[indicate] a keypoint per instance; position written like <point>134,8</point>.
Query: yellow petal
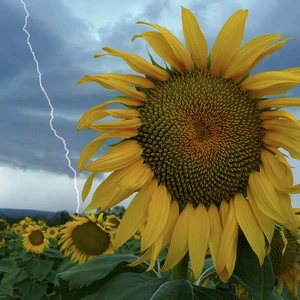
<point>166,235</point>
<point>138,176</point>
<point>183,58</point>
<point>128,79</point>
<point>194,38</point>
<point>87,186</point>
<point>135,215</point>
<point>96,112</point>
<point>269,51</point>
<point>108,192</point>
<point>228,42</point>
<point>139,64</point>
<point>265,223</point>
<point>179,241</point>
<point>250,226</point>
<point>224,211</point>
<point>280,140</point>
<point>91,148</point>
<point>283,126</point>
<point>123,113</point>
<point>169,228</point>
<point>198,237</point>
<point>156,247</point>
<point>157,216</point>
<point>120,156</point>
<point>270,83</point>
<point>215,235</point>
<point>126,124</point>
<point>114,85</point>
<point>228,244</point>
<point>267,199</point>
<point>162,48</point>
<point>274,114</point>
<point>278,103</point>
<point>278,173</point>
<point>246,56</point>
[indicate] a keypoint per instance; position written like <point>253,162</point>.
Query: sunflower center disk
<point>201,136</point>
<point>36,238</point>
<point>90,239</point>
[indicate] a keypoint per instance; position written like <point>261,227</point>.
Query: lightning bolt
<point>51,107</point>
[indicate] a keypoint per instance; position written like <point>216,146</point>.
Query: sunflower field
<point>203,147</point>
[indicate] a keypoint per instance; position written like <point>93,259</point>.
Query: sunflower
<point>18,230</point>
<point>2,241</point>
<point>200,145</point>
<point>285,249</point>
<point>3,225</point>
<point>35,240</point>
<point>52,232</point>
<point>85,238</point>
<point>112,222</point>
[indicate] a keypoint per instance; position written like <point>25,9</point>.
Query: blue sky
<point>65,34</point>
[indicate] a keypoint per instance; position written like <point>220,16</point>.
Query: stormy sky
<point>65,34</point>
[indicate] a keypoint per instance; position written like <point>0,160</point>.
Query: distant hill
<point>15,213</point>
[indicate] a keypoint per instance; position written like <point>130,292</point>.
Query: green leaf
<point>119,286</point>
<point>15,277</point>
<point>39,268</point>
<point>259,281</point>
<point>6,290</point>
<point>203,293</point>
<point>32,290</point>
<point>8,265</point>
<point>275,295</point>
<point>96,268</point>
<point>53,253</point>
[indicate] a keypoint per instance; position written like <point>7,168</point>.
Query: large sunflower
<point>200,145</point>
<point>85,238</point>
<point>35,240</point>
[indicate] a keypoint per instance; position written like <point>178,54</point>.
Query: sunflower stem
<point>180,271</point>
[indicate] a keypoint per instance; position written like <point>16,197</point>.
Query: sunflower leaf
<point>259,281</point>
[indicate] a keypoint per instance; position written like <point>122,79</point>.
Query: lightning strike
<point>51,107</point>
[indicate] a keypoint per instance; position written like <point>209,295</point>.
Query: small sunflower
<point>85,238</point>
<point>35,240</point>
<point>3,225</point>
<point>112,222</point>
<point>18,230</point>
<point>2,241</point>
<point>285,250</point>
<point>201,145</point>
<point>52,232</point>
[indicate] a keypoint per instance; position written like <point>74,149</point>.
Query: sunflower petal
<point>273,114</point>
<point>124,124</point>
<point>198,237</point>
<point>215,235</point>
<point>228,244</point>
<point>278,140</point>
<point>194,38</point>
<point>87,186</point>
<point>91,148</point>
<point>250,226</point>
<point>270,83</point>
<point>135,215</point>
<point>139,64</point>
<point>179,241</point>
<point>157,216</point>
<point>128,79</point>
<point>228,42</point>
<point>161,47</point>
<point>96,112</point>
<point>120,156</point>
<point>267,199</point>
<point>224,211</point>
<point>278,103</point>
<point>246,56</point>
<point>183,59</point>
